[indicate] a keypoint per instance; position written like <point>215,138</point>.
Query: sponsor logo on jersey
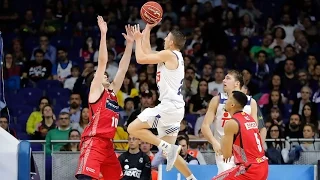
<point>132,172</point>
<point>112,105</point>
<point>251,125</point>
<point>90,169</point>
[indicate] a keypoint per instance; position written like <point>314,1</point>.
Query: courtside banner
<point>276,172</point>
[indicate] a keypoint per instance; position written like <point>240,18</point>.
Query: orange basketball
<point>151,12</point>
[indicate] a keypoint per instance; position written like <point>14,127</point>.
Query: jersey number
<point>181,84</point>
<point>258,142</point>
<point>114,122</point>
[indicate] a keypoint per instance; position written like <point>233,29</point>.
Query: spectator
<point>278,55</point>
<point>81,85</point>
<point>4,124</point>
<point>267,40</point>
<point>252,86</point>
<point>84,120</point>
<point>127,110</point>
<point>88,49</point>
<point>72,146</point>
<point>184,143</point>
<point>75,108</point>
<point>62,69</point>
<point>309,132</point>
<point>288,28</point>
<point>135,163</point>
<point>199,102</point>
<point>39,69</point>
<point>47,123</point>
<point>36,117</point>
<point>215,87</point>
<point>127,90</point>
<point>310,115</point>
<point>294,129</point>
<point>277,150</point>
<point>71,80</point>
<point>207,73</point>
<point>10,68</point>
<point>279,35</point>
<point>49,51</point>
<point>60,133</point>
<point>306,93</point>
<point>190,73</point>
<point>261,69</point>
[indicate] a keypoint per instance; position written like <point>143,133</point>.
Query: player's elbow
<point>142,60</point>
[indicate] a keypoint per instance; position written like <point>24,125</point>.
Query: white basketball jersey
<point>222,116</point>
<point>170,82</point>
<point>63,73</point>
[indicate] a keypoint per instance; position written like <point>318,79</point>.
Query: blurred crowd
<point>50,48</point>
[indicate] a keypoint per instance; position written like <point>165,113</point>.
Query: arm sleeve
<point>146,171</point>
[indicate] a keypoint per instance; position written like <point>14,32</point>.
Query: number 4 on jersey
<point>114,122</point>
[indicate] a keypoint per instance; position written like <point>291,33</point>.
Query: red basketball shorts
<point>240,172</point>
<point>97,155</point>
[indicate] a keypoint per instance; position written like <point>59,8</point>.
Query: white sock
<point>191,177</point>
<point>164,146</point>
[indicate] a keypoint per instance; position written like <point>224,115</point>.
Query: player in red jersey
<point>97,154</point>
<point>241,138</point>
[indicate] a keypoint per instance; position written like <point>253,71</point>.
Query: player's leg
<point>140,129</point>
<point>180,163</point>
<point>89,160</point>
<point>111,167</point>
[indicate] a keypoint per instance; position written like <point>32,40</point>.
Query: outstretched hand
<point>136,32</point>
<point>129,34</point>
<point>150,26</point>
<point>102,25</point>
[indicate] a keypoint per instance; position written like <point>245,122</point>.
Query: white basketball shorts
<point>222,166</point>
<point>165,117</point>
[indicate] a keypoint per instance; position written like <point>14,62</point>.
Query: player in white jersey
<point>166,116</point>
<point>233,81</point>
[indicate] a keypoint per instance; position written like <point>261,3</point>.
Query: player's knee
<point>131,129</point>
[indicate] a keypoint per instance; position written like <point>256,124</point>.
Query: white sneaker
<point>172,156</point>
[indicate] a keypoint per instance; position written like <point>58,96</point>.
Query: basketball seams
<point>151,12</point>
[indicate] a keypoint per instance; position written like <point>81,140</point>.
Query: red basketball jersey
<point>103,116</point>
<point>247,147</point>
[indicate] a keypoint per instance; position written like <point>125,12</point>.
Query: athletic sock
<point>164,146</point>
<point>191,177</point>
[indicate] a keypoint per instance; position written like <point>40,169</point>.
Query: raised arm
<point>208,119</point>
<point>146,46</point>
<point>145,58</point>
<point>125,60</point>
<point>96,87</point>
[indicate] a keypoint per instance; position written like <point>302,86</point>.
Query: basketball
<point>151,12</point>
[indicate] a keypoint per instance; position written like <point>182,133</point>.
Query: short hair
<point>64,113</point>
<point>277,47</point>
<point>89,78</point>
<point>38,51</point>
<point>240,97</point>
<point>179,39</point>
<point>237,76</point>
<point>182,137</point>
